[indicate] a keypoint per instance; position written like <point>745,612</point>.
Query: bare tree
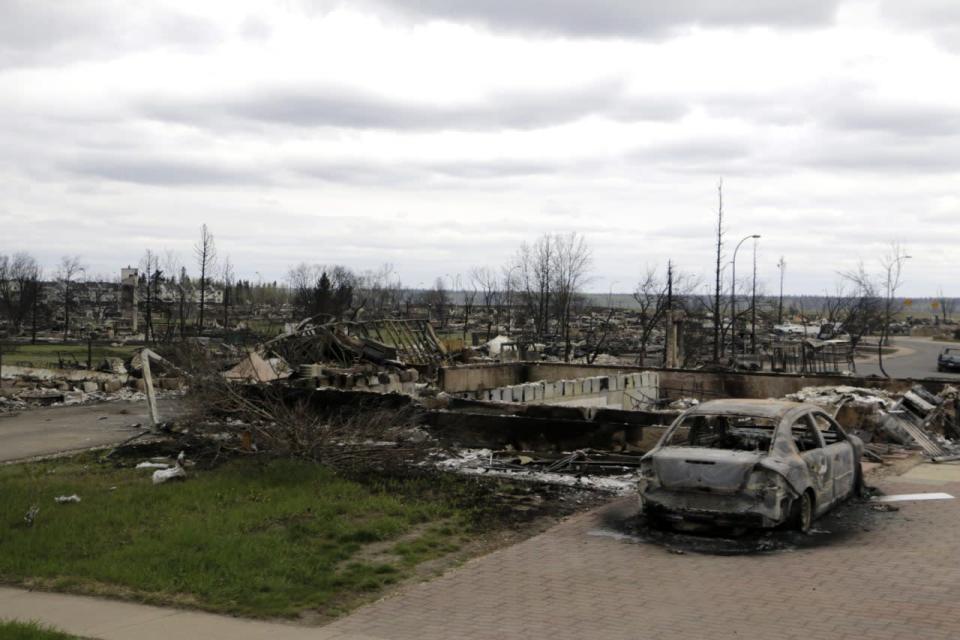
<point>226,274</point>
<point>717,314</point>
<point>468,295</point>
<point>177,274</point>
<point>891,265</point>
<point>862,309</point>
<point>150,264</point>
<point>572,259</point>
<point>206,254</point>
<point>19,277</point>
<point>947,305</point>
<point>653,296</point>
<point>485,281</point>
<point>534,265</point>
<point>438,301</point>
<point>67,273</point>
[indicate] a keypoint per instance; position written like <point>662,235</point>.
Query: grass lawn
<point>10,630</point>
<point>48,355</point>
<point>249,538</point>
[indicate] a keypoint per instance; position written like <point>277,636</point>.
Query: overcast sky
<point>437,135</point>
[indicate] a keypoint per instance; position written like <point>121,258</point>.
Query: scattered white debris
<point>152,465</point>
<point>163,475</point>
<point>476,462</point>
<point>174,473</point>
<point>67,499</point>
<point>905,497</point>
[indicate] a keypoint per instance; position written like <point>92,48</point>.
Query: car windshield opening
<point>731,432</point>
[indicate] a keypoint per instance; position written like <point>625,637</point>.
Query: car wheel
<point>803,513</point>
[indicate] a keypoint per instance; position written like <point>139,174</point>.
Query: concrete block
<point>516,393</point>
<point>112,386</point>
<point>89,386</point>
<point>613,383</point>
<point>549,390</point>
<point>409,388</point>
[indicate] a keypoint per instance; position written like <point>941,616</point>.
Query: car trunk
<point>714,470</point>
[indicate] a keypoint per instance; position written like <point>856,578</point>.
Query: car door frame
<point>818,464</point>
<point>842,459</point>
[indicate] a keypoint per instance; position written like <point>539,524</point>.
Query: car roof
<point>749,407</point>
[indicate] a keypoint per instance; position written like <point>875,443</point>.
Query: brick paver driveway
<point>901,579</point>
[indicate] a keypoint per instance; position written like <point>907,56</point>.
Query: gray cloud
<point>354,108</point>
<point>883,154</point>
<point>900,118</point>
<point>626,18</point>
<point>40,32</point>
<point>161,171</point>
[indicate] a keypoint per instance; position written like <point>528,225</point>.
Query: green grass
<point>48,355</point>
<point>248,538</point>
<point>10,630</point>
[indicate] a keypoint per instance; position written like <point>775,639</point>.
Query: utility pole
<point>782,266</point>
<point>753,304</point>
<point>716,291</point>
<point>670,348</point>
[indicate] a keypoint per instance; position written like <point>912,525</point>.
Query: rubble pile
<point>915,419</point>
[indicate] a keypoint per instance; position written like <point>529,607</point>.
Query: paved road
<point>918,360</point>
<point>891,576</point>
<point>49,430</point>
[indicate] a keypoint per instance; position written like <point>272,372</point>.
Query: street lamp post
<point>733,295</point>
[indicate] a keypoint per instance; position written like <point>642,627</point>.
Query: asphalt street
<point>917,359</point>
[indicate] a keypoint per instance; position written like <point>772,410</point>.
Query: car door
<point>840,453</point>
<point>809,443</point>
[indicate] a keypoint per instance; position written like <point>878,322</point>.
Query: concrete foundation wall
<point>620,390</point>
<point>673,383</point>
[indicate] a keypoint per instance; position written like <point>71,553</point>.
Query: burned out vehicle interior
<point>746,433</point>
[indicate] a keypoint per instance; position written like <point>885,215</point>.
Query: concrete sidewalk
<point>113,620</point>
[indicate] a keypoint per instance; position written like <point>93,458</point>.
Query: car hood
<point>715,470</point>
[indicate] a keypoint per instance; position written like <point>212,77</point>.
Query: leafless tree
<point>150,265</point>
<point>484,280</point>
<point>534,265</point>
<point>226,274</point>
<point>947,305</point>
<point>19,277</point>
<point>572,259</point>
<point>205,251</point>
<point>653,296</point>
<point>717,293</point>
<point>69,270</point>
<point>891,265</point>
<point>177,274</point>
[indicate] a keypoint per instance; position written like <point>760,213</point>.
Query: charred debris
<point>391,392</point>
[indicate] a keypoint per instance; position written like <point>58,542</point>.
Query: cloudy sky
<point>439,134</point>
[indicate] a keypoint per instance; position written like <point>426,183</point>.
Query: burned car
<point>758,463</point>
<point>949,360</point>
